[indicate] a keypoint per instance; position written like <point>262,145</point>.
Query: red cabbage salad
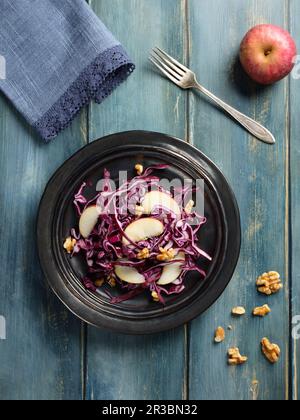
<point>138,237</point>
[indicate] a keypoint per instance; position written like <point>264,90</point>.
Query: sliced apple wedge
<point>156,199</point>
<point>129,274</point>
<point>171,272</point>
<point>88,221</point>
<point>143,229</point>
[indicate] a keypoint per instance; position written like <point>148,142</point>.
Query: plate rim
<point>71,301</point>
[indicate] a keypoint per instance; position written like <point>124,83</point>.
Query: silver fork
<point>186,79</point>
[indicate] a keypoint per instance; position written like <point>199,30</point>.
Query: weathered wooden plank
<point>258,175</point>
<point>41,356</point>
<point>120,367</point>
<point>295,203</point>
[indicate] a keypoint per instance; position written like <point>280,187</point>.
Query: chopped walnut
<point>261,311</point>
<point>155,296</point>
<point>99,283</point>
<point>70,244</point>
<point>271,351</point>
<point>189,207</point>
<point>166,254</point>
<point>235,358</point>
<point>220,335</point>
<point>144,254</point>
<point>112,281</point>
<point>269,283</point>
<point>238,311</point>
<point>139,169</point>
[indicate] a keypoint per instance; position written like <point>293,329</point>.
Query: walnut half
<point>271,351</point>
<point>269,283</point>
<point>262,311</point>
<point>235,357</point>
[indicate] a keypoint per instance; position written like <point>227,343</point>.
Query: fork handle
<point>252,126</point>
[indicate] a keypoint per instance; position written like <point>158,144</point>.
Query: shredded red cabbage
<point>104,248</point>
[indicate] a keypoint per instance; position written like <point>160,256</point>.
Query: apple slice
<point>156,199</point>
<point>143,229</point>
<point>171,272</point>
<point>129,274</point>
<point>88,221</point>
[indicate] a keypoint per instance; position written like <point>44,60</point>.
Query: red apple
<point>267,53</point>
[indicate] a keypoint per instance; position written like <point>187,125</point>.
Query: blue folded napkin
<point>59,56</point>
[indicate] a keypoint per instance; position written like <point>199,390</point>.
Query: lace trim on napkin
<point>97,82</point>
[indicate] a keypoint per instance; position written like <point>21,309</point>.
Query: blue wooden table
<point>48,353</point>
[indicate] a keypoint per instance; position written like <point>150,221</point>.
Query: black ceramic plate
<point>220,237</point>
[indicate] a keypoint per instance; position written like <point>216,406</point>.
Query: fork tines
<point>167,65</point>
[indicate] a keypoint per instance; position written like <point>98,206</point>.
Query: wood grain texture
<point>258,175</point>
<point>48,354</point>
<point>41,356</point>
<point>120,367</point>
<point>295,202</point>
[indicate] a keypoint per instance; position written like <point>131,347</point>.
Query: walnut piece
<point>139,169</point>
<point>155,296</point>
<point>112,281</point>
<point>235,357</point>
<point>262,310</point>
<point>269,283</point>
<point>99,283</point>
<point>70,244</point>
<point>144,254</point>
<point>220,335</point>
<point>189,207</point>
<point>271,351</point>
<point>238,311</point>
<point>166,254</point>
